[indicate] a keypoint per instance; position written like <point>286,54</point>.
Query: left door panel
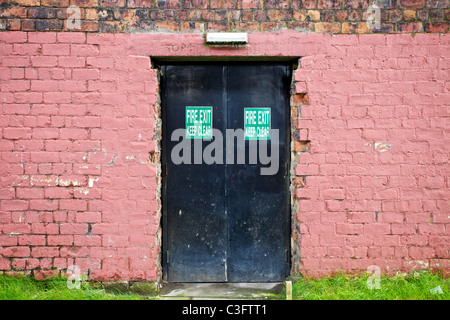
<point>195,245</point>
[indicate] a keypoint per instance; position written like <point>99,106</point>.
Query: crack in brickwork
<point>300,143</point>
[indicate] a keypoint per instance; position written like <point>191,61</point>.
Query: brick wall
<point>329,16</point>
<point>80,129</point>
<point>78,169</point>
<point>372,171</point>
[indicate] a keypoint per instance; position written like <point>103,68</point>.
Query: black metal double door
<point>225,219</point>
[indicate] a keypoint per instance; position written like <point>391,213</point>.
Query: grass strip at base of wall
<point>418,285</point>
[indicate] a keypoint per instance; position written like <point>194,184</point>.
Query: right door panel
<point>258,218</point>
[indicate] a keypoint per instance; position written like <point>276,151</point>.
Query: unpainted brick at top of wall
<point>321,16</point>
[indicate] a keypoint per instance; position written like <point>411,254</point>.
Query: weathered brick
<point>74,228</point>
<point>333,194</point>
<point>329,4</point>
<point>13,12</point>
<point>16,73</point>
<point>56,49</point>
<point>16,85</point>
<point>140,3</point>
<point>112,3</point>
<point>17,133</point>
<point>276,4</point>
<point>15,61</point>
<point>84,3</point>
<point>189,4</point>
<point>410,27</point>
<point>416,4</point>
<point>84,50</point>
<point>72,85</point>
<point>43,205</point>
<point>173,4</point>
<point>86,26</point>
<point>442,27</point>
<point>225,4</point>
<point>41,13</point>
<point>55,3</point>
<point>327,16</point>
<point>327,27</point>
<point>30,193</point>
<point>28,3</point>
<point>44,252</point>
<point>44,157</point>
<point>44,85</point>
<point>44,61</point>
<point>260,15</point>
<point>11,24</point>
<point>387,4</point>
<point>16,109</point>
<point>358,27</point>
<point>60,240</point>
<point>85,74</point>
<point>28,25</point>
<point>357,4</point>
<point>31,240</point>
<point>16,252</point>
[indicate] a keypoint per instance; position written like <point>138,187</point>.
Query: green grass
<point>414,286</point>
<point>26,288</point>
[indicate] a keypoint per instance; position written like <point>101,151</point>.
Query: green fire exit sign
<point>199,122</point>
<point>257,123</point>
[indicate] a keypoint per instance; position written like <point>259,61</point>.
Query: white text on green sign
<point>257,123</point>
<point>199,122</point>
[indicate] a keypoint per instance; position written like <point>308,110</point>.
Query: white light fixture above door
<point>226,38</point>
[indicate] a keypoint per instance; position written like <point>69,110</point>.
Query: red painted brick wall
<point>79,165</point>
<point>376,174</point>
<point>77,183</point>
